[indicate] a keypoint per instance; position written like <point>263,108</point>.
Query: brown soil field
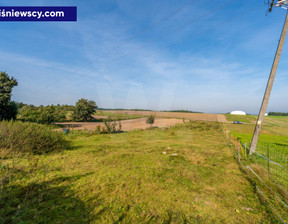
<point>191,116</point>
<point>127,125</point>
<point>162,119</point>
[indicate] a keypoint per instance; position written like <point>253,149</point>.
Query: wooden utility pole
<point>268,89</point>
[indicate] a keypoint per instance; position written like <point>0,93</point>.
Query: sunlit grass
<point>242,118</point>
<point>185,174</point>
<point>272,144</point>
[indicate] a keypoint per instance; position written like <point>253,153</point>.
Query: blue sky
<point>161,55</point>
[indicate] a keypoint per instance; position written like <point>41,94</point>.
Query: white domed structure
<point>238,112</point>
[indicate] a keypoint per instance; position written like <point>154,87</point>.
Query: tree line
<point>10,110</point>
<point>277,114</point>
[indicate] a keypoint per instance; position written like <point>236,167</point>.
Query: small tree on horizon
<point>84,109</point>
<point>150,120</point>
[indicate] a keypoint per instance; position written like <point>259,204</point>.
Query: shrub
<point>150,120</point>
<point>110,127</point>
<point>30,138</point>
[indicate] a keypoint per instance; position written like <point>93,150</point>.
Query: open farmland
<point>251,119</point>
<point>274,134</point>
<point>127,125</point>
<point>190,116</point>
<point>274,128</point>
<point>270,162</point>
<point>133,120</point>
<point>185,174</point>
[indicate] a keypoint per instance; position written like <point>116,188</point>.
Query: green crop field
<point>185,174</point>
<point>272,144</point>
<point>271,134</point>
<point>242,118</point>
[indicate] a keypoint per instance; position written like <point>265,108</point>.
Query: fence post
<point>268,161</point>
<point>238,150</point>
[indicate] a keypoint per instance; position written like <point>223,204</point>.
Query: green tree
<point>47,115</point>
<point>29,113</point>
<point>150,120</point>
<point>8,109</point>
<point>84,109</point>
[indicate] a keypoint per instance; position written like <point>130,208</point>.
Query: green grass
<point>242,118</point>
<point>280,118</point>
<point>273,137</point>
<point>126,178</point>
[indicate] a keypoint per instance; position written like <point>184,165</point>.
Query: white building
<point>238,112</point>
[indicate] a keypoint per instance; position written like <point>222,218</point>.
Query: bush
<point>150,120</point>
<point>110,127</point>
<point>30,138</point>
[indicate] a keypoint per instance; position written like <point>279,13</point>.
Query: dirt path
<point>221,118</point>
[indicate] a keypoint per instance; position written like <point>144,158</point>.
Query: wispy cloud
<point>215,64</point>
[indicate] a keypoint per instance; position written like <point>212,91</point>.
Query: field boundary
<point>266,189</point>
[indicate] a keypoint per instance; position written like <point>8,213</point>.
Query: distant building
<point>265,114</point>
<point>238,112</point>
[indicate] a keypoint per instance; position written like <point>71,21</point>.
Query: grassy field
<point>272,144</point>
<point>244,119</point>
<point>274,132</point>
<point>273,135</point>
<point>279,121</point>
<point>185,174</point>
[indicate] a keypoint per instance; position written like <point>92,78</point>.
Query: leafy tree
<point>84,109</point>
<point>20,105</point>
<point>29,113</point>
<point>150,120</point>
<point>47,115</point>
<point>8,109</point>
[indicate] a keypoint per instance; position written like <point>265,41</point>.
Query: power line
<point>270,82</point>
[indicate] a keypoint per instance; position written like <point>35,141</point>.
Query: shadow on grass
<point>48,202</point>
